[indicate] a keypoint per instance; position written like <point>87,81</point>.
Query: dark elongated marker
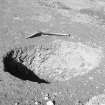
<point>35,35</point>
<point>44,33</point>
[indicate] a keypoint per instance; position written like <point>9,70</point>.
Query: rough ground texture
<point>20,84</point>
<point>60,61</point>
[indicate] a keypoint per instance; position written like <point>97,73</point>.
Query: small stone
<point>46,97</point>
<point>36,103</point>
<point>49,103</point>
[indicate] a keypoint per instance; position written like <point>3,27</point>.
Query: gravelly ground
<point>19,19</point>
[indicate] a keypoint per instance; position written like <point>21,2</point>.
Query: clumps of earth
<point>60,60</point>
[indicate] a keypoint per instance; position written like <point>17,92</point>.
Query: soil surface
<point>20,19</point>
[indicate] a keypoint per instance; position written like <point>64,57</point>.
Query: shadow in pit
<point>19,70</point>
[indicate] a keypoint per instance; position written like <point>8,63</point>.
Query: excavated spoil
<point>60,61</point>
